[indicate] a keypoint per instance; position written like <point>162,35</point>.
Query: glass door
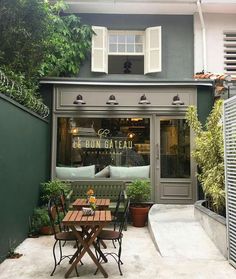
<point>174,183</point>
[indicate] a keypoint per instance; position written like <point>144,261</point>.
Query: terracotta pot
<point>139,215</point>
<point>48,230</point>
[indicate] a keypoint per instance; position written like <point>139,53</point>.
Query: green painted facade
<point>205,101</point>
<point>177,41</point>
<point>24,164</point>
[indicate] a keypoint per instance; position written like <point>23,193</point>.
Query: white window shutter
<point>152,58</point>
<point>99,55</point>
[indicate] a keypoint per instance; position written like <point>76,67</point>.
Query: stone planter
<point>214,225</point>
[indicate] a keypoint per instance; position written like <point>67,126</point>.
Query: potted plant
<point>139,192</point>
<point>40,222</point>
<point>53,188</point>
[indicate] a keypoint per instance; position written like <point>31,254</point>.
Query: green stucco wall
<point>205,101</point>
<point>24,164</point>
<point>177,40</point>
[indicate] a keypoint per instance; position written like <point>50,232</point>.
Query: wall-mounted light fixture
<point>112,100</point>
<point>177,101</point>
<point>143,100</point>
<point>79,100</point>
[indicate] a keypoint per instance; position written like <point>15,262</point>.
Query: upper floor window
<point>230,52</point>
<point>126,43</point>
<point>114,51</point>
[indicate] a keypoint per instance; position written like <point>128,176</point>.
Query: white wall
<point>215,25</point>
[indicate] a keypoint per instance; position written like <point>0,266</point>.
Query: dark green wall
<point>177,40</point>
<point>24,164</point>
<point>205,101</point>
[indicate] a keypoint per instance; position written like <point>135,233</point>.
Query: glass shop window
<point>91,147</point>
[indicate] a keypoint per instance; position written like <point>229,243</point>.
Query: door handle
<point>157,152</point>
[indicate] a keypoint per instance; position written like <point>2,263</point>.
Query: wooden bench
<point>106,188</point>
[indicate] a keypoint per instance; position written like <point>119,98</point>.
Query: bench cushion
<point>67,173</point>
<point>129,172</point>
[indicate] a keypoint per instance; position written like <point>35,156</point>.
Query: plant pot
<point>47,230</point>
<point>139,215</point>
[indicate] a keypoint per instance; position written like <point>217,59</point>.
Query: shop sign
<point>101,141</point>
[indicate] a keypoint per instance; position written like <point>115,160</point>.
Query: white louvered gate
<point>230,174</point>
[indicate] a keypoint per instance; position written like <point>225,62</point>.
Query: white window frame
<point>151,44</point>
<point>127,32</point>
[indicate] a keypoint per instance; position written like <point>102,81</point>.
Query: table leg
<point>86,243</point>
<point>89,234</point>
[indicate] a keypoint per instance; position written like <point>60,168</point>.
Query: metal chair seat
<point>66,236</point>
<point>109,235</point>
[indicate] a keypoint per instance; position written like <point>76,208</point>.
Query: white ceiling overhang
<point>186,7</point>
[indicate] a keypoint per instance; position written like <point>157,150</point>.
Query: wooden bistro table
<point>91,226</point>
<point>101,204</point>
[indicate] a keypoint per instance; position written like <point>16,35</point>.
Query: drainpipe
<point>203,35</point>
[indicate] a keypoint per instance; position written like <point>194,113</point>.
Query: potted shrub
<point>139,192</point>
<point>53,188</point>
<point>40,221</point>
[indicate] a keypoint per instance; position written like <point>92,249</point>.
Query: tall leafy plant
<point>38,39</point>
<point>209,154</point>
<point>67,44</point>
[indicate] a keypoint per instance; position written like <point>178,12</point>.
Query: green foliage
<point>38,39</point>
<point>21,90</point>
<point>209,154</point>
<point>23,28</point>
<point>53,188</point>
<point>139,190</point>
<point>68,42</point>
<point>39,219</point>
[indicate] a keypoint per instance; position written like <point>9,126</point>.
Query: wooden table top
<point>83,202</point>
<point>77,218</point>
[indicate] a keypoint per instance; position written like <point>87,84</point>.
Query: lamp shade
<point>177,101</point>
<point>112,100</point>
<point>143,100</point>
<point>79,100</point>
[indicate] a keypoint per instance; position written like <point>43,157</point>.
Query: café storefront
<point>127,131</point>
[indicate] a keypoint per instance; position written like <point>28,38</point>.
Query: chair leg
<point>55,259</point>
<point>119,255</point>
<point>60,252</point>
<point>113,242</point>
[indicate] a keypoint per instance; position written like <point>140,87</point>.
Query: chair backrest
<point>54,215</point>
<point>124,216</point>
<point>119,200</point>
<point>62,202</point>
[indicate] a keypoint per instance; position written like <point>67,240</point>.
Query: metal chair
<point>118,212</point>
<point>61,236</point>
<point>115,235</point>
